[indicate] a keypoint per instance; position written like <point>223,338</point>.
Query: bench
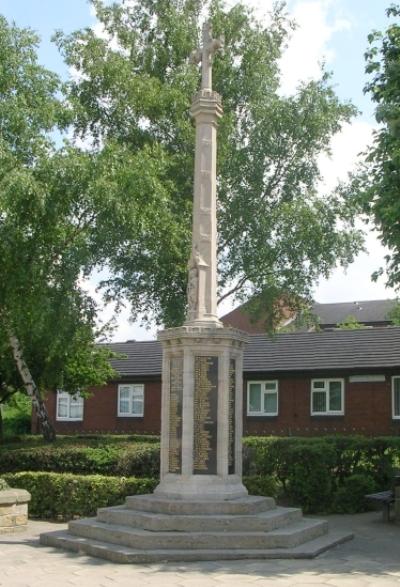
<point>385,499</point>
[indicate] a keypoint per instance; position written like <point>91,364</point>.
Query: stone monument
<point>201,422</point>
<point>200,510</point>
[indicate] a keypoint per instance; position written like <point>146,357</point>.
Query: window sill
<point>130,416</point>
<point>323,416</point>
<point>268,416</point>
<point>69,419</point>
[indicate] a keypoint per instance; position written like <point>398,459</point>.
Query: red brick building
<point>305,383</point>
<point>371,313</point>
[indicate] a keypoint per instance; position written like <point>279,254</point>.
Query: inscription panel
<point>231,416</point>
<point>205,415</point>
<point>175,415</point>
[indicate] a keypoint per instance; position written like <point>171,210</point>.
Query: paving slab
<point>372,559</point>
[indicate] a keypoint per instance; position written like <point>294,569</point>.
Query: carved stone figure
<point>193,283</point>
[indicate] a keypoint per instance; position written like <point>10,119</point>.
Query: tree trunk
<point>48,431</point>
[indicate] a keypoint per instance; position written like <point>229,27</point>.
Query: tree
<point>378,186</point>
<point>350,322</point>
<point>133,92</point>
<point>48,216</point>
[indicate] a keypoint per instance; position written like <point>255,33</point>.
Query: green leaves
<point>379,188</point>
<point>132,100</point>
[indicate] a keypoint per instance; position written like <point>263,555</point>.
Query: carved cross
<point>205,55</point>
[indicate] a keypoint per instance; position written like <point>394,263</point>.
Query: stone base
<point>201,487</point>
<point>13,510</point>
<point>148,528</point>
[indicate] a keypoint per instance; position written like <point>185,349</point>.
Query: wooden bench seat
<point>386,499</point>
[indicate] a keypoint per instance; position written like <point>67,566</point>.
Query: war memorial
<point>200,510</point>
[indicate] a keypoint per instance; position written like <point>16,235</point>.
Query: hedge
<point>63,497</point>
<point>328,474</point>
<point>136,459</point>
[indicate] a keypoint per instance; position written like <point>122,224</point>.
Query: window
<point>396,398</point>
<point>69,407</point>
<point>131,400</point>
<point>262,398</point>
<point>327,397</point>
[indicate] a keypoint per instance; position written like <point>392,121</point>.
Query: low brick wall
<point>13,510</point>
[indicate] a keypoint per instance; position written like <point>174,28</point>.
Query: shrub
<point>3,485</point>
<point>138,459</point>
<point>65,496</point>
<point>315,472</point>
<point>17,415</point>
<point>309,476</point>
<point>261,485</point>
<point>349,498</point>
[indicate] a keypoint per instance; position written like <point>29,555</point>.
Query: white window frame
<point>70,398</point>
<point>394,416</point>
<point>326,381</point>
<point>263,393</point>
<point>132,386</point>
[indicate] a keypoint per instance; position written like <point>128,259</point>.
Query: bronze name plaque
<point>205,416</point>
<point>175,415</point>
<point>231,417</point>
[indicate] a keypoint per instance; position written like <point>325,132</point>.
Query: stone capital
<point>206,102</point>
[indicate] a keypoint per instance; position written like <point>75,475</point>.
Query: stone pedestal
<point>13,510</point>
<point>201,419</point>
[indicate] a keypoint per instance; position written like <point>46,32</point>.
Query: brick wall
<point>100,413</point>
<point>368,410</point>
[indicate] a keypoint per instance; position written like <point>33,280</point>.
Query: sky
<point>333,32</point>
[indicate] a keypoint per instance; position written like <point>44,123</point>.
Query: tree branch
<point>234,289</point>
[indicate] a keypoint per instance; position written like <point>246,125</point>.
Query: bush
<point>331,473</point>
<point>319,474</point>
<point>261,485</point>
<point>350,497</point>
<point>309,476</point>
<point>140,460</point>
<point>65,496</point>
<point>3,485</point>
<point>17,415</point>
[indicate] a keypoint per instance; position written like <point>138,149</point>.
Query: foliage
<point>328,474</point>
<point>3,485</point>
<point>261,485</point>
<point>56,496</point>
<point>17,415</point>
<point>394,314</point>
<point>378,186</point>
<point>350,322</point>
<point>52,234</point>
<point>124,459</point>
<point>350,497</point>
<point>315,472</point>
<point>132,97</point>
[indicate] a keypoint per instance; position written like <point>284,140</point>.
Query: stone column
<point>201,432</point>
<point>202,289</point>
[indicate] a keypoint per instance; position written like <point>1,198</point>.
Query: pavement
<point>372,559</point>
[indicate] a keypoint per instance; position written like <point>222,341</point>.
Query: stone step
<point>123,554</point>
<point>262,522</point>
<point>290,536</point>
<point>251,504</point>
